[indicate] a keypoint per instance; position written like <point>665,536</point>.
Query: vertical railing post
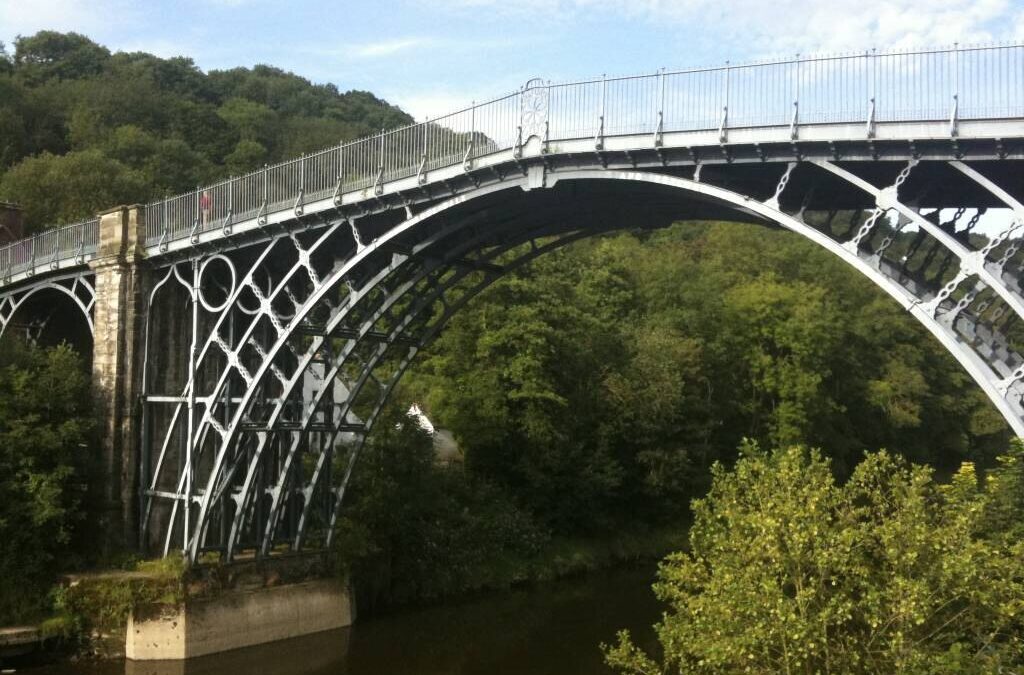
<point>794,128</point>
<point>194,236</point>
<point>378,183</point>
<point>79,254</point>
<point>61,234</point>
<point>231,206</point>
<point>165,235</point>
<point>872,65</point>
<point>723,126</point>
<point>467,158</point>
<point>659,131</point>
<point>297,206</point>
<point>261,215</point>
<point>954,113</point>
<point>32,255</point>
<point>421,177</point>
<point>340,186</point>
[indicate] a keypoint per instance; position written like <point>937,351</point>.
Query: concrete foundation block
<point>237,619</point>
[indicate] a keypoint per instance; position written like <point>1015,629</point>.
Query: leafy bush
<point>45,430</point>
<point>791,572</point>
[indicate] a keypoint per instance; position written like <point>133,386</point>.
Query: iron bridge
<point>251,331</point>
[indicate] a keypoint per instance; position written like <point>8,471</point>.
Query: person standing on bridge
<point>204,205</point>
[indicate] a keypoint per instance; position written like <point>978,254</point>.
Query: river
<point>548,629</point>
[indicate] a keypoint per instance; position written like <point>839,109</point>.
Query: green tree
<point>519,380</point>
<point>52,55</point>
<point>13,131</point>
<point>414,530</point>
<point>890,572</point>
<point>247,156</point>
<point>788,331</point>
<point>45,431</point>
<point>60,189</point>
<point>167,124</point>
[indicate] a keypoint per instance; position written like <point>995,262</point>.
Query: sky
<point>435,56</point>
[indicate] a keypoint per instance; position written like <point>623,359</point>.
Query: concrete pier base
<point>237,619</point>
<point>18,640</point>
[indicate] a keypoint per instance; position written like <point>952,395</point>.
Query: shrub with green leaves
<point>45,429</point>
<point>890,572</point>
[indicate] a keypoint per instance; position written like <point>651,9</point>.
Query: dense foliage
<point>416,530</point>
<point>45,452</point>
<point>600,384</point>
<point>889,572</point>
<point>592,392</point>
<point>82,129</point>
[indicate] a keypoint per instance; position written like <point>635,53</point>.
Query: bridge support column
<point>116,371</point>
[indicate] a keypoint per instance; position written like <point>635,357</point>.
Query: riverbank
<point>548,628</point>
<point>93,608</point>
<point>559,559</point>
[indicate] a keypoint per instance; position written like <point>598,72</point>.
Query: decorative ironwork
<point>276,327</point>
<point>534,110</point>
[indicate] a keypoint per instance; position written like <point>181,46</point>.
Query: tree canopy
<point>790,571</point>
<point>83,129</point>
<point>602,382</point>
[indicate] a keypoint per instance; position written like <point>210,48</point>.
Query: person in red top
<point>204,205</point>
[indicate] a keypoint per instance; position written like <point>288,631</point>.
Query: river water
<point>548,629</point>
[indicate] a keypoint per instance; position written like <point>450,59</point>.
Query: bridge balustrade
<point>50,247</point>
<point>956,83</point>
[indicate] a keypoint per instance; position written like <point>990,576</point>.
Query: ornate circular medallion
<point>534,109</point>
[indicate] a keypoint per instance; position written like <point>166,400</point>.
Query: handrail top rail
<point>384,155</point>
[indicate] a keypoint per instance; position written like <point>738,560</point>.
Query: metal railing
<point>48,249</point>
<point>939,84</point>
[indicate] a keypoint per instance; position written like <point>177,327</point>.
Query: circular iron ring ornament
<point>228,292</point>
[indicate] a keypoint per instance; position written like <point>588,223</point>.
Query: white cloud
<point>91,17</point>
<point>371,50</point>
<point>429,100</point>
<point>431,104</point>
<point>1018,30</point>
<point>785,26</point>
<point>402,46</point>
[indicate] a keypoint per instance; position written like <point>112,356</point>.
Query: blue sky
<point>433,56</point>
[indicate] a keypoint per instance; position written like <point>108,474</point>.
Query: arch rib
<point>768,211</point>
<point>229,437</point>
<point>971,262</point>
<point>53,284</point>
<point>967,358</point>
<point>342,357</point>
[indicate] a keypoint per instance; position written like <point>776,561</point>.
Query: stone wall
<point>12,223</point>
<point>118,314</point>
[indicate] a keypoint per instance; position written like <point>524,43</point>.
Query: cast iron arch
<point>220,478</point>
